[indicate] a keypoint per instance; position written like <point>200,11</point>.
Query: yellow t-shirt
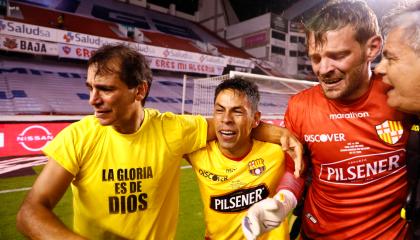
<point>228,188</point>
<point>127,185</point>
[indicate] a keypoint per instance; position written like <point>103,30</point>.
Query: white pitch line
<point>15,190</point>
<point>28,188</point>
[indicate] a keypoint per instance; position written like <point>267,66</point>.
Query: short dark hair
<point>250,89</point>
<point>128,64</point>
<point>341,13</point>
<point>406,17</point>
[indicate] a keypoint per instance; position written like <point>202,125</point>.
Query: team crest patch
<point>256,167</point>
<point>390,131</point>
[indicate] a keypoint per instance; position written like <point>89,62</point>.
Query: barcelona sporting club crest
<point>390,131</point>
<point>256,167</point>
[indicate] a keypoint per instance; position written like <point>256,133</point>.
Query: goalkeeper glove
<point>268,214</point>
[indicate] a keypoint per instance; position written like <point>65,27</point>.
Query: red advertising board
<point>22,139</point>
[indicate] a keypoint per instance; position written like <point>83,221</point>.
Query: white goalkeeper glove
<point>268,214</point>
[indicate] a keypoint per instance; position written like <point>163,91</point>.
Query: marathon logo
<point>239,200</point>
<point>349,115</point>
<point>364,169</point>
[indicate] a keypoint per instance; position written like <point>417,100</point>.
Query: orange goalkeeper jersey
<point>357,150</point>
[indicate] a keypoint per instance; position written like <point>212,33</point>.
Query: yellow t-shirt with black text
<point>228,188</point>
<point>127,185</point>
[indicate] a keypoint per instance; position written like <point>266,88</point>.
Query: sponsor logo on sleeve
<point>390,131</point>
<point>365,169</point>
<point>239,200</point>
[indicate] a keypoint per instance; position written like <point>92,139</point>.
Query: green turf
<point>190,225</point>
<point>191,218</point>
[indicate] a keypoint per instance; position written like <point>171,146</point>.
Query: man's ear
<point>142,90</point>
<point>257,119</point>
<point>374,47</point>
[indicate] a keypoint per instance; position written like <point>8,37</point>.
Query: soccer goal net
<point>274,92</point>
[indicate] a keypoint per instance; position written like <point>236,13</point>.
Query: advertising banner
<point>87,41</point>
<point>84,40</point>
<point>22,139</point>
<point>27,30</point>
<point>241,62</point>
<point>175,54</point>
<point>179,66</point>
<point>75,52</point>
<point>26,45</point>
<point>255,40</point>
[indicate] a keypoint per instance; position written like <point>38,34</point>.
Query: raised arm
<point>211,129</point>
<point>35,218</point>
<point>289,142</point>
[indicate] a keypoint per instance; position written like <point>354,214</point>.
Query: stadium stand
<point>135,19</point>
<point>72,22</point>
<point>44,49</point>
<point>35,88</point>
<point>25,92</point>
<point>41,88</point>
<point>173,29</point>
<point>103,21</point>
<point>59,89</point>
<point>170,41</point>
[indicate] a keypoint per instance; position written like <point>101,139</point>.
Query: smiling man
<point>114,160</point>
<point>236,171</point>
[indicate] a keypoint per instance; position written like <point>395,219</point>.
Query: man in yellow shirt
<point>236,171</point>
<point>123,163</point>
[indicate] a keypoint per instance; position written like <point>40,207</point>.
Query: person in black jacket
<point>400,68</point>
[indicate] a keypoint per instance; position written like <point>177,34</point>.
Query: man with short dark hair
<point>235,171</point>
